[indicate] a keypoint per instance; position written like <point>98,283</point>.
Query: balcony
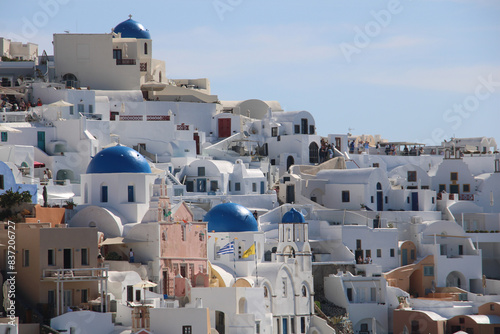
<point>75,274</point>
<point>125,61</point>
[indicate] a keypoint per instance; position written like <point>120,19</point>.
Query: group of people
<point>325,152</point>
<point>47,175</point>
<point>367,260</point>
<point>11,104</point>
<point>413,151</point>
<point>362,146</point>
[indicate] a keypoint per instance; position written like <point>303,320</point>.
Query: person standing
<point>131,256</point>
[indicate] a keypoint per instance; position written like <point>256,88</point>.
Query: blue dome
<point>230,217</point>
<point>132,29</point>
<point>118,159</point>
<point>293,216</point>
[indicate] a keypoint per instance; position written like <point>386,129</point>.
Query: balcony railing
<point>75,274</point>
<point>125,61</point>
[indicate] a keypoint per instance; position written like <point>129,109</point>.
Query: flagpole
<point>255,255</point>
<point>234,258</point>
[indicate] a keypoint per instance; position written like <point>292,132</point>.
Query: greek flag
<point>227,249</point>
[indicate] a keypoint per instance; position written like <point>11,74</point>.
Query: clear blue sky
<point>407,70</point>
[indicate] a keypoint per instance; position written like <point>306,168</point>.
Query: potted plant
<point>69,204</point>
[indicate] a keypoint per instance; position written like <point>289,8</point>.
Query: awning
<point>39,164</point>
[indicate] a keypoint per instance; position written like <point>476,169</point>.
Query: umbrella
<point>145,284</point>
<point>153,86</point>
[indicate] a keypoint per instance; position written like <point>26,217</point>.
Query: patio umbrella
<point>145,284</point>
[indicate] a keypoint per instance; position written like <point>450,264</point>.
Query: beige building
<point>56,267</point>
<point>120,60</point>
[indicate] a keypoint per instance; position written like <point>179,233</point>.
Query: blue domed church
<point>115,191</point>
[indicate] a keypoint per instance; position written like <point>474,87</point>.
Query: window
<point>453,176</point>
<point>4,136</point>
<point>229,185</point>
<point>433,200</point>
<point>372,199</point>
<point>442,187</point>
<point>283,284</point>
<point>297,128</point>
<point>412,176</point>
<point>379,252</point>
<point>137,295</point>
<point>274,132</point>
<point>358,243</point>
<point>145,48</point>
<point>130,293</point>
<point>349,294</point>
<point>26,258</point>
<point>466,188</point>
<point>386,199</point>
<point>201,171</point>
<point>51,257</point>
<point>237,186</point>
<point>85,256</point>
<point>368,253</point>
<point>257,327</point>
<point>304,291</point>
<point>85,295</point>
<point>363,328</point>
<point>2,186</point>
<point>345,196</point>
<point>81,108</point>
<point>302,324</point>
<point>408,199</point>
<point>131,196</point>
<point>183,232</point>
<point>391,251</point>
<point>460,250</point>
<point>91,109</point>
<point>461,320</point>
<point>412,254</point>
<point>492,307</point>
<point>71,110</point>
<point>254,187</point>
<point>428,270</point>
<point>104,194</point>
<point>189,186</point>
<point>117,54</point>
<point>214,185</point>
<point>373,294</point>
<point>311,129</point>
<point>376,165</point>
<point>454,188</point>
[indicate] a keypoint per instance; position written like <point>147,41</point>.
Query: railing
<point>75,274</point>
<point>466,197</point>
<point>131,118</point>
<point>125,61</point>
<point>143,67</point>
<point>157,118</point>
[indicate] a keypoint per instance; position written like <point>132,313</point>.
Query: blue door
<point>262,190</point>
<point>414,201</point>
<point>201,185</point>
<point>285,326</point>
<point>404,257</point>
<point>41,140</point>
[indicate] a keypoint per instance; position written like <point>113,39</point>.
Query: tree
<point>10,198</point>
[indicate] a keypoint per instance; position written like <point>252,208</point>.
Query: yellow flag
<point>249,251</point>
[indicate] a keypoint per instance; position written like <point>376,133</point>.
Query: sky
<point>408,70</point>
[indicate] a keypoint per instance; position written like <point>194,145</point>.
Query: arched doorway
<point>380,197</point>
<point>289,161</point>
<point>220,323</point>
<point>70,80</point>
<point>313,153</point>
<point>456,279</point>
<point>242,306</point>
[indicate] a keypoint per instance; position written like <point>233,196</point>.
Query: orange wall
<point>47,215</point>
